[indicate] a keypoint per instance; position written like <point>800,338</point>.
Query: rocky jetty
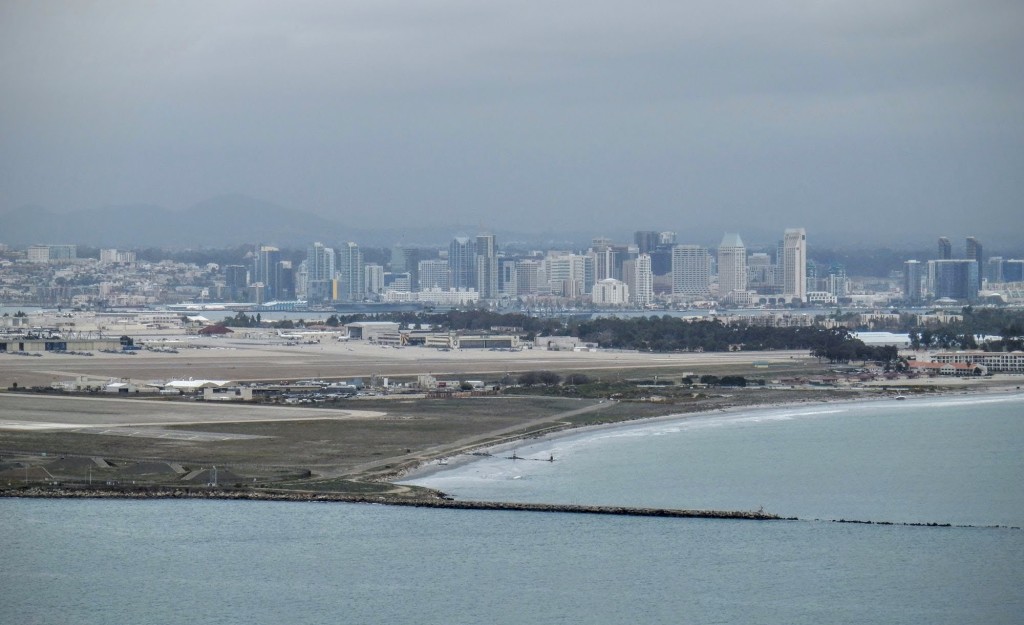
<point>439,502</point>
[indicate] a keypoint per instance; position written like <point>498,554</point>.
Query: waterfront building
<point>732,265</point>
<point>691,270</point>
<point>794,265</point>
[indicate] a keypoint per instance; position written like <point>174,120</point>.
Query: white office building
<point>732,265</point>
<point>794,265</point>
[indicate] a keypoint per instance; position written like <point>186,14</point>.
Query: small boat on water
<point>900,396</point>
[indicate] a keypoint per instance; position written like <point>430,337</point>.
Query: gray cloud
<point>697,116</point>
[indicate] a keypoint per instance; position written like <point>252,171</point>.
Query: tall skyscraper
<point>373,278</point>
<point>462,263</point>
<point>732,265</point>
<point>284,280</point>
<point>530,277</point>
<point>794,265</point>
<point>320,264</point>
<point>567,274</point>
<point>912,281</point>
<point>236,278</point>
<point>976,253</point>
<point>265,270</point>
<point>486,266</point>
<point>508,278</point>
<point>642,287</point>
<point>945,249</point>
<point>320,270</point>
<point>351,276</point>
<point>691,270</point>
<point>646,240</point>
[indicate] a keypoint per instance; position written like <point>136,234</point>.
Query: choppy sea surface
<point>949,460</point>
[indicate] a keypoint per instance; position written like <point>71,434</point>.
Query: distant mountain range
<point>232,220</point>
<point>218,222</point>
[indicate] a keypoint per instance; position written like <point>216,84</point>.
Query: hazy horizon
<point>871,121</point>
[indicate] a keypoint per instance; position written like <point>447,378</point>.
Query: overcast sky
<point>898,116</point>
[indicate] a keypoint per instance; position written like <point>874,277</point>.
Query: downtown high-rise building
<point>691,270</point>
<point>433,274</point>
<point>320,263</point>
<point>462,263</point>
<point>236,279</point>
<point>646,240</point>
<point>373,278</point>
<point>640,279</point>
<point>486,266</point>
<point>794,265</point>
<point>976,252</point>
<point>732,265</point>
<point>953,278</point>
<point>265,270</point>
<point>530,277</point>
<point>945,248</point>
<point>508,278</point>
<point>320,270</point>
<point>284,280</point>
<point>912,282</point>
<point>351,275</point>
<point>568,275</point>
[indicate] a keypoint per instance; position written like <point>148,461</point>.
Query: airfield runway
<point>254,360</point>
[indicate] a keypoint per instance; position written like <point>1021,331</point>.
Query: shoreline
<point>431,467</point>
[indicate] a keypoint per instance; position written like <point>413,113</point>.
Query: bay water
<point>947,460</point>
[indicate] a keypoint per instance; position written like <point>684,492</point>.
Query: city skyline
<point>654,271</point>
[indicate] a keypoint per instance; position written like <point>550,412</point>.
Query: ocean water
<point>947,460</point>
<point>156,562</point>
